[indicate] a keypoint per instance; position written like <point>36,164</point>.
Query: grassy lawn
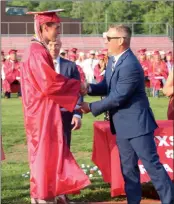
<point>15,187</point>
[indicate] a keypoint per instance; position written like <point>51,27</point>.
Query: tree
<point>98,14</point>
<point>162,14</point>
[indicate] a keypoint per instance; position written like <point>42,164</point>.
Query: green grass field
<point>15,188</point>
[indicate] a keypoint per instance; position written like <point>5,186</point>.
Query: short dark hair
<point>49,24</point>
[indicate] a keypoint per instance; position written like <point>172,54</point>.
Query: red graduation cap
<point>42,17</point>
<point>73,49</point>
<point>101,56</point>
<point>156,52</point>
<point>46,16</point>
<point>142,51</point>
<point>12,51</point>
<point>169,53</point>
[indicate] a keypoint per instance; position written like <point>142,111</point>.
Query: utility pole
<point>106,20</point>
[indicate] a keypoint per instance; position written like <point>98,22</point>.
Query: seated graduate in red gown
<point>158,73</point>
<point>73,58</point>
<point>53,169</point>
<point>99,69</point>
<point>169,61</point>
<point>11,75</point>
<point>145,65</point>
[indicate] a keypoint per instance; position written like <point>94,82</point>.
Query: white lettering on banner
<point>142,169</point>
<point>166,166</point>
<point>169,153</point>
<point>163,142</point>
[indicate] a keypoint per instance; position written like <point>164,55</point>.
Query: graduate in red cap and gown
<point>73,50</point>
<point>169,59</point>
<point>99,69</point>
<point>105,52</point>
<point>11,75</point>
<point>73,58</point>
<point>145,65</point>
<point>158,73</point>
<point>2,57</point>
<point>53,170</point>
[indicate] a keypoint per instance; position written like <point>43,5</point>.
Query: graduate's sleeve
<point>60,89</point>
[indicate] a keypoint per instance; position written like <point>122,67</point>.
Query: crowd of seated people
<point>91,66</point>
<point>157,66</point>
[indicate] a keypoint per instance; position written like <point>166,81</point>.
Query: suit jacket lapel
<point>118,63</point>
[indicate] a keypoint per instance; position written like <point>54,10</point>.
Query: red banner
<point>106,156</point>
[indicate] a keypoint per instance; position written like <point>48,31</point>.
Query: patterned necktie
<point>113,64</point>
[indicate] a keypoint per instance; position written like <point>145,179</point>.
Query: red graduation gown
<point>82,74</point>
<point>157,70</point>
<point>54,171</point>
<point>11,70</point>
<point>97,73</point>
<point>145,65</point>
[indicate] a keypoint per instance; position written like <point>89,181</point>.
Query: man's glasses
<point>110,38</point>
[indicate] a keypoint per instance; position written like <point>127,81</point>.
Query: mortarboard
<point>156,52</point>
<point>42,17</point>
<point>101,56</point>
<point>12,51</point>
<point>169,53</point>
<point>142,51</point>
<point>73,49</point>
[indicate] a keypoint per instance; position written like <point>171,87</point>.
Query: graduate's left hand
<point>76,122</point>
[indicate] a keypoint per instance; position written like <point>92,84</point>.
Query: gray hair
<point>123,29</point>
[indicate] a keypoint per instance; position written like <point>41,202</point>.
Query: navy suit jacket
<point>126,100</point>
<point>69,70</point>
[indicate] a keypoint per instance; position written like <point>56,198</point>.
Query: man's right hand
<point>84,88</point>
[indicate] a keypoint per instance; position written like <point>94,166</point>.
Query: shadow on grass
<point>100,192</point>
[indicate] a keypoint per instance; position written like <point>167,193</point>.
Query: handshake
<point>84,106</point>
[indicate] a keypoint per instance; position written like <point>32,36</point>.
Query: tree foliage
<point>99,14</point>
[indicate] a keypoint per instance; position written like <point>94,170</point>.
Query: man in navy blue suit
<point>131,117</point>
<point>71,121</point>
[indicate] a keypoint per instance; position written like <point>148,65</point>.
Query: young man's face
<point>13,56</point>
<point>54,48</point>
<point>52,31</point>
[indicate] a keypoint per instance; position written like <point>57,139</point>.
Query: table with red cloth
<point>106,156</point>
